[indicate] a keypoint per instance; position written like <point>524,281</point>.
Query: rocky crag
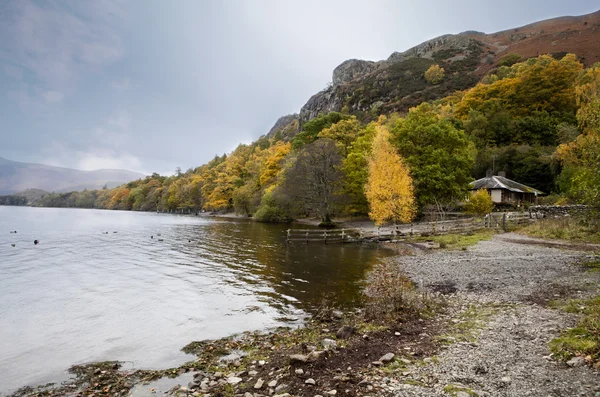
<point>367,89</point>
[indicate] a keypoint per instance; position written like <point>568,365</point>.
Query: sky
<point>151,85</point>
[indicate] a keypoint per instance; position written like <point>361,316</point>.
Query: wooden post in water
<point>325,236</point>
<point>343,236</point>
<point>288,236</point>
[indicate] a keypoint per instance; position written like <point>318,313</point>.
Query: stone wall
<point>548,211</point>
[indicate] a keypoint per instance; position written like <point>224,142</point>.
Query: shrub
<point>392,295</point>
<point>510,59</point>
<point>480,203</point>
<point>272,210</point>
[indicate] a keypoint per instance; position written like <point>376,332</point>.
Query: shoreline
<point>428,354</point>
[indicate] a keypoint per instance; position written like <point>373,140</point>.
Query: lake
<point>82,295</point>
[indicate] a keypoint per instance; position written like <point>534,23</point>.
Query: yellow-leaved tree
<point>435,74</point>
<point>389,189</point>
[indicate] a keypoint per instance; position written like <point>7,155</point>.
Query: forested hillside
<point>536,120</point>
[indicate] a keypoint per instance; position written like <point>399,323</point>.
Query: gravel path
<point>512,274</point>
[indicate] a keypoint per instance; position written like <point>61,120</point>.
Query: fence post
<point>504,222</point>
<point>325,237</point>
<point>288,236</point>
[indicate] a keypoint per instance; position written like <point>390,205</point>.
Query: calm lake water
<point>82,295</point>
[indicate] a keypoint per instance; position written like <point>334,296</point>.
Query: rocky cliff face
<point>286,127</point>
<point>367,88</point>
<point>352,69</point>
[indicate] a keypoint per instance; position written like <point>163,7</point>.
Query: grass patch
<point>584,339</point>
<point>460,241</point>
<point>467,326</point>
<point>453,390</point>
<point>577,229</point>
<point>591,266</point>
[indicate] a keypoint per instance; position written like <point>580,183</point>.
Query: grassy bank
<point>577,229</point>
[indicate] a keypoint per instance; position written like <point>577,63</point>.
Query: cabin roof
<point>500,182</point>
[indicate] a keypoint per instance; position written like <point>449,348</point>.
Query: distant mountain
<point>367,89</point>
<point>16,177</point>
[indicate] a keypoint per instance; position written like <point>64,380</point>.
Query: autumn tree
<point>311,129</point>
<point>343,133</point>
<point>582,156</point>
<point>435,74</point>
<point>313,181</point>
<point>389,188</point>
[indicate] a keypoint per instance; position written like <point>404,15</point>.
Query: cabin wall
<point>496,195</point>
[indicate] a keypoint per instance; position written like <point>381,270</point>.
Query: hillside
<point>367,89</point>
<point>16,177</point>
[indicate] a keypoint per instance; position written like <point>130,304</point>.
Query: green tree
<point>356,171</point>
<point>439,155</point>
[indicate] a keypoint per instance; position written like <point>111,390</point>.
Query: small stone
<point>234,380</point>
<point>281,387</point>
<point>248,394</point>
<point>329,343</point>
<point>405,361</point>
<point>377,363</point>
<point>462,394</point>
<point>282,395</point>
<point>397,333</point>
<point>315,355</point>
<point>259,384</point>
<point>345,332</point>
<point>337,314</point>
<point>272,383</point>
<point>299,371</point>
<point>218,375</point>
<point>261,363</point>
<point>298,358</point>
<point>505,379</point>
<point>576,362</point>
<point>331,392</point>
<point>252,373</point>
<point>310,381</point>
<point>387,358</point>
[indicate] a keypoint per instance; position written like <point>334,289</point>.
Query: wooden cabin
<point>506,191</point>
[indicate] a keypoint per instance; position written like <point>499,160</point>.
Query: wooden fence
<point>496,220</point>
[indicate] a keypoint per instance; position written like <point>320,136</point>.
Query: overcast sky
<point>150,85</point>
